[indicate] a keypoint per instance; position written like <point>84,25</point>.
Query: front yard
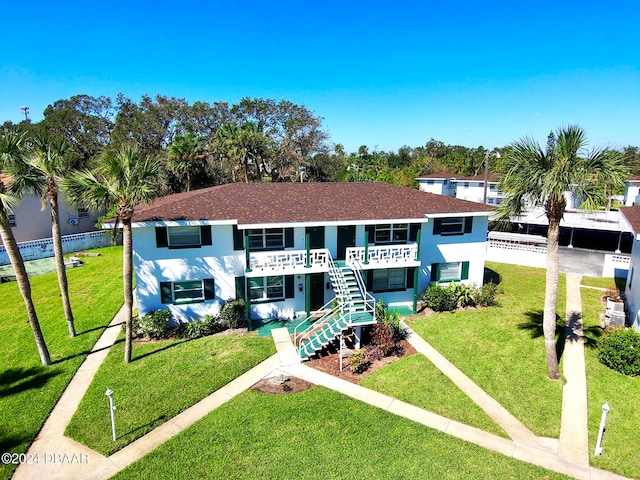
<point>28,391</point>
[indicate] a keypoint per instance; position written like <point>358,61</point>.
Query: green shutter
<point>368,278</point>
<point>288,238</point>
<point>238,243</point>
<point>437,226</point>
<point>289,287</point>
<point>413,231</point>
<point>410,276</point>
<point>205,235</point>
<point>209,289</point>
<point>240,290</point>
<point>465,271</point>
<point>434,272</point>
<point>165,293</point>
<point>161,237</point>
<point>468,224</point>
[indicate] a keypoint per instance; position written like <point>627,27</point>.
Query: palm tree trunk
<point>551,299</point>
<point>25,289</point>
<point>127,276</point>
<point>60,268</point>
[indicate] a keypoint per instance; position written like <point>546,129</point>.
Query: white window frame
<point>178,236</point>
<point>458,276</point>
<point>395,229</point>
<point>386,276</point>
<point>192,288</point>
<point>450,222</point>
<point>264,288</point>
<point>263,238</point>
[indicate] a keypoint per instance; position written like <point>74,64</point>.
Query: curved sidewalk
<point>524,445</point>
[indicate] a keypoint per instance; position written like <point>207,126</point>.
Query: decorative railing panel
<point>383,254</point>
<point>289,260</point>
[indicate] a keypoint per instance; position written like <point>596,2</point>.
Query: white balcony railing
<point>382,256</point>
<point>289,261</point>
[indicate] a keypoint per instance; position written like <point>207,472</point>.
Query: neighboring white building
<point>473,189</point>
<point>632,289</point>
<point>632,191</point>
<point>29,221</point>
<point>278,245</point>
<point>438,183</point>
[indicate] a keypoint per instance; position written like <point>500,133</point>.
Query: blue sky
<point>381,74</point>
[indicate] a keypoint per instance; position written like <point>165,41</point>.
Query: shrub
<point>153,324</point>
<point>465,294</point>
<point>209,325</point>
<point>619,349</point>
<point>485,296</point>
<point>440,299</point>
<point>383,338</point>
<point>232,313</point>
<point>359,361</point>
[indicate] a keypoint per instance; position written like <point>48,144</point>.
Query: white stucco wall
<point>631,193</point>
<point>222,263</point>
<point>632,290</point>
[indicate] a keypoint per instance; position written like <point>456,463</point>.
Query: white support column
<point>358,335</point>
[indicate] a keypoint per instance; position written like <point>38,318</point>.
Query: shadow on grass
<point>17,380</point>
<point>564,332</point>
<point>150,425</point>
<point>162,347</point>
<point>621,283</point>
<point>86,352</point>
<point>100,327</point>
<point>491,276</point>
<point>9,442</point>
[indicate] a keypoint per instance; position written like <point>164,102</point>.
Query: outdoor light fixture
<point>299,287</point>
<point>112,407</point>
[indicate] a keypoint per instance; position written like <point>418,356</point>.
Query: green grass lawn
<point>621,438</point>
<point>163,379</point>
<point>319,433</point>
<point>415,380</point>
<point>502,348</point>
<point>29,390</point>
<point>609,283</point>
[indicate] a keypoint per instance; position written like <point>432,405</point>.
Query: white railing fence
<point>288,259</point>
<point>525,255</point>
<point>383,254</point>
<point>616,266</point>
<point>43,248</point>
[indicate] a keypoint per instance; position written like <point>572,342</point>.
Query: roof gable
<point>632,214</point>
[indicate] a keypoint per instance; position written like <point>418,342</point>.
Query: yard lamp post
<point>112,407</point>
<point>603,420</point>
<point>25,110</point>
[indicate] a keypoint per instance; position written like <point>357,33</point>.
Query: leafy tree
<point>123,181</point>
<point>11,161</point>
<point>187,156</point>
<point>44,169</point>
<point>84,122</point>
<point>537,176</point>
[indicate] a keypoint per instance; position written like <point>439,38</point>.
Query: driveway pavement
<point>579,261</point>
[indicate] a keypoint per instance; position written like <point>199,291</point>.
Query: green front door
<point>316,291</point>
<point>346,238</point>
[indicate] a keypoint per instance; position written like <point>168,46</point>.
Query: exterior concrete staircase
<point>352,306</point>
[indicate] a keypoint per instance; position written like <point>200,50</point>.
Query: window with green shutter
<point>187,291</point>
<point>449,272</point>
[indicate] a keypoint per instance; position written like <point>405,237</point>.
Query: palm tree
<point>537,177</point>
<point>121,181</point>
<point>186,154</point>
<point>45,168</point>
<point>11,150</point>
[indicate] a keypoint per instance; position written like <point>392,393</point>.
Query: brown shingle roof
<point>255,203</point>
<point>442,175</point>
<point>632,215</point>
<point>479,178</point>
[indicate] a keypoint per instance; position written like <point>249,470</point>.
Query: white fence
<point>526,255</point>
<point>616,266</point>
<point>43,248</point>
<point>384,254</point>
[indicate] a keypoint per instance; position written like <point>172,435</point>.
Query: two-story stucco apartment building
<point>275,244</point>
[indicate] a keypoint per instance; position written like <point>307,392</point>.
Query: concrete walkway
<point>524,445</point>
<point>574,430</point>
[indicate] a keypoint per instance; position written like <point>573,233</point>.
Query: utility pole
<point>25,110</point>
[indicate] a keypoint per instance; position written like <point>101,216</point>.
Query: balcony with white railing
<point>288,262</point>
<point>384,256</point>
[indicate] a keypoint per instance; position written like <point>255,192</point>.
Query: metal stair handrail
<point>326,316</point>
<point>369,300</point>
